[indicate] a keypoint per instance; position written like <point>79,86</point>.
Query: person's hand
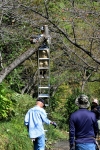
<point>54,124</point>
<point>33,139</point>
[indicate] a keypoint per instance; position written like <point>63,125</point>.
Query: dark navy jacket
<point>96,111</point>
<point>83,127</point>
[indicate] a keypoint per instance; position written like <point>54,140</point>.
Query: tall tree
<point>74,27</point>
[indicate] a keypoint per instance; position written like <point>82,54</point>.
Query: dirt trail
<point>64,145</point>
<point>61,145</point>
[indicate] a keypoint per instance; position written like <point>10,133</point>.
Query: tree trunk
<point>18,61</point>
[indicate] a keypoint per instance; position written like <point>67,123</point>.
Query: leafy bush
<point>6,105</point>
<point>70,105</point>
<point>13,132</point>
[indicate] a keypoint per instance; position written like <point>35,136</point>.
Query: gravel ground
<point>64,145</point>
<point>61,145</point>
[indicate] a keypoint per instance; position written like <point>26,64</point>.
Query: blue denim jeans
<point>39,143</point>
<point>85,146</point>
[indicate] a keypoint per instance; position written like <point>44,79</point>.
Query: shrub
<point>6,105</point>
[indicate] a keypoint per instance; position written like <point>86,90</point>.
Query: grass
<point>13,133</point>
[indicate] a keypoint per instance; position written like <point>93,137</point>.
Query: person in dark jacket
<point>83,126</point>
<point>96,109</point>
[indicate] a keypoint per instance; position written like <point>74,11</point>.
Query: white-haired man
<point>34,119</point>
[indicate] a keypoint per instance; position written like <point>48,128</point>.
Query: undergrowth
<point>13,133</point>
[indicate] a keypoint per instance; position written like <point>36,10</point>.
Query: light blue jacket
<point>34,119</point>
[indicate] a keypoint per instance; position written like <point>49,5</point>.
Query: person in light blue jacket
<point>34,119</point>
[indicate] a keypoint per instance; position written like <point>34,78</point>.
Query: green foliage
<point>15,134</point>
<point>15,41</point>
<point>3,139</point>
<point>7,18</point>
<point>15,81</point>
<point>53,103</point>
<point>57,105</point>
<point>70,105</point>
<point>14,131</point>
<point>24,102</point>
<point>62,105</point>
<point>6,105</point>
<point>94,89</point>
